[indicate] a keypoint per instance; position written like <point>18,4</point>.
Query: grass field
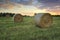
<point>27,30</point>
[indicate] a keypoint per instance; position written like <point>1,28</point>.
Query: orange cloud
<point>10,6</point>
<point>54,12</point>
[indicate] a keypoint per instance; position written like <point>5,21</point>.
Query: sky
<point>29,7</point>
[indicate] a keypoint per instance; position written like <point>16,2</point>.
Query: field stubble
<point>27,30</point>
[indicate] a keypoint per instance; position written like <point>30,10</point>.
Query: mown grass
<point>27,30</point>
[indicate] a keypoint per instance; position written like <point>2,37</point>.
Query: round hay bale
<point>18,18</point>
<point>43,20</point>
<point>7,15</point>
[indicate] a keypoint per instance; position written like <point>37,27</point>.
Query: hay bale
<point>18,18</point>
<point>7,15</point>
<point>43,20</point>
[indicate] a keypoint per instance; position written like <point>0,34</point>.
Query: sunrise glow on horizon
<point>29,7</point>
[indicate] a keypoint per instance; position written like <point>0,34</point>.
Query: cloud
<point>49,3</point>
<point>24,2</point>
<point>1,0</point>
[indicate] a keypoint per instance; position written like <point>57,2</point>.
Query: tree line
<point>6,14</point>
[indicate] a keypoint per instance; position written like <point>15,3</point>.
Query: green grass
<point>27,30</point>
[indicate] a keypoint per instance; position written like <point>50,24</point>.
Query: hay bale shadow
<point>40,38</point>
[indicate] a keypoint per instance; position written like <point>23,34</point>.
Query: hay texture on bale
<point>43,20</point>
<point>18,18</point>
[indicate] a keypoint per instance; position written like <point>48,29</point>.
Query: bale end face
<point>18,18</point>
